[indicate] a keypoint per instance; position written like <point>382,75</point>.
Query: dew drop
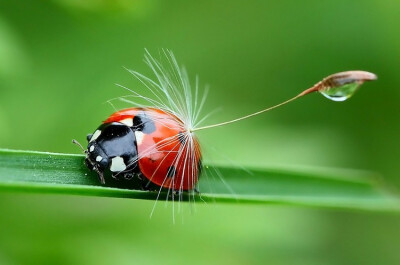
<point>341,86</point>
<point>340,93</point>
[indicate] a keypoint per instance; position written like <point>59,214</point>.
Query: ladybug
<point>148,144</point>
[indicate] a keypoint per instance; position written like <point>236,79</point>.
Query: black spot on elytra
<point>182,138</point>
<point>199,167</point>
<point>142,122</point>
<point>171,172</point>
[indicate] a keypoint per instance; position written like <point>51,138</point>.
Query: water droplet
<point>340,93</point>
<point>341,86</point>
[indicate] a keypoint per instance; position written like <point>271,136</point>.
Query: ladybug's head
<point>96,159</point>
<point>92,159</point>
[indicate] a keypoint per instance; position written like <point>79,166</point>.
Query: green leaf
<point>30,171</point>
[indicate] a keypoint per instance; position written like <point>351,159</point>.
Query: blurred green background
<point>60,59</point>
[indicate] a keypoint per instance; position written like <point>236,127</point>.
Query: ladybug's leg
<point>121,174</point>
<point>146,187</point>
<point>177,193</point>
<point>129,175</point>
<point>126,174</point>
<point>116,175</point>
<point>145,184</point>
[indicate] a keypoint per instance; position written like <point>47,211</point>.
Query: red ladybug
<point>149,144</point>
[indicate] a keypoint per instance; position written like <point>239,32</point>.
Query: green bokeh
<point>59,61</point>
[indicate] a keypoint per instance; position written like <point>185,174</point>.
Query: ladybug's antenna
<point>336,87</point>
<point>78,144</point>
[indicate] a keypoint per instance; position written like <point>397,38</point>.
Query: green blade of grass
<point>30,171</point>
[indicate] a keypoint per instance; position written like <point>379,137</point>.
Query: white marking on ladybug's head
<point>99,158</point>
<point>139,137</point>
<point>95,135</point>
<point>91,149</point>
<point>127,122</point>
<point>117,164</point>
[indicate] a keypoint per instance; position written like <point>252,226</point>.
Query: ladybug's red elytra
<point>149,144</point>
